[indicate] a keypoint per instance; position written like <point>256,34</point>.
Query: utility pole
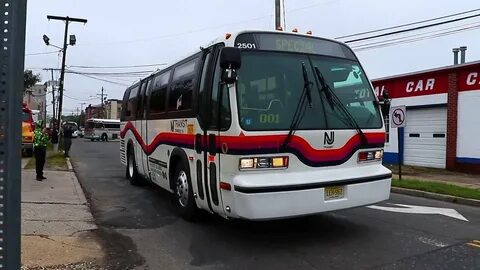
<point>279,15</point>
<point>80,118</point>
<point>102,102</point>
<point>67,21</point>
<point>53,91</point>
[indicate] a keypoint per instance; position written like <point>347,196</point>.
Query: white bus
<point>102,129</point>
<point>258,125</point>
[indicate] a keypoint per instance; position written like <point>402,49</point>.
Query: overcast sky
<point>153,32</point>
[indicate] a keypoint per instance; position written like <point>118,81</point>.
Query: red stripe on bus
<point>246,143</point>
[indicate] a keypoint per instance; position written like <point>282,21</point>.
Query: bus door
<point>141,125</point>
<point>144,124</point>
<point>218,116</point>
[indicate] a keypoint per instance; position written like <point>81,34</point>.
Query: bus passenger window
<point>181,87</point>
<point>159,93</point>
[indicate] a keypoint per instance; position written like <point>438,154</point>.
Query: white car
<point>75,134</point>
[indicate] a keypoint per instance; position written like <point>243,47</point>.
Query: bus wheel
<point>104,137</point>
<point>131,171</point>
<point>183,193</point>
<point>92,140</point>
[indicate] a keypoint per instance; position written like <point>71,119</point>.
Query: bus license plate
<point>334,193</point>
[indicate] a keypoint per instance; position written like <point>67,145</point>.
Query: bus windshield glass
<point>270,85</point>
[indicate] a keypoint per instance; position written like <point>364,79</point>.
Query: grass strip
<point>55,161</point>
<point>438,187</point>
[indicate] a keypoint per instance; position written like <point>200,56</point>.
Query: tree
<point>30,79</point>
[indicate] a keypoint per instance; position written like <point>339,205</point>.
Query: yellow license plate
<point>334,193</point>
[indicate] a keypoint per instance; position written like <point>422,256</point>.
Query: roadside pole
<point>400,150</point>
<point>12,56</point>
<point>398,119</point>
<point>67,21</point>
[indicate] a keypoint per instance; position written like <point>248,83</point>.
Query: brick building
<point>94,111</point>
<point>443,117</point>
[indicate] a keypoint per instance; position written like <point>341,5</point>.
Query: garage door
<point>425,137</point>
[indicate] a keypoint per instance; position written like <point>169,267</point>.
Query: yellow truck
<point>28,128</point>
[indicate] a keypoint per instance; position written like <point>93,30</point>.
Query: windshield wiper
<point>306,85</point>
<point>301,108</point>
<point>335,101</point>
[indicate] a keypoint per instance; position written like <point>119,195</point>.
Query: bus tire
<point>131,171</point>
<point>92,140</point>
<point>183,192</point>
<point>104,137</point>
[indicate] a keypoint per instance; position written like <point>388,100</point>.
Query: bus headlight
<point>373,155</point>
<point>263,163</point>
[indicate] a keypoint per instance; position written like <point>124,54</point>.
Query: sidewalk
<point>438,175</point>
<point>57,226</point>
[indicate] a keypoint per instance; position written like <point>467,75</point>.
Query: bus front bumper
<point>263,202</point>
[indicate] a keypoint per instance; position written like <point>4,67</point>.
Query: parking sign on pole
<point>12,51</point>
<point>398,119</point>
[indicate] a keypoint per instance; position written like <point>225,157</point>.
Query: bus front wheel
<point>131,171</point>
<point>183,193</point>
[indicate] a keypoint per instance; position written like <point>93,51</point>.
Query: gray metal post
<point>455,55</point>
<point>12,53</point>
<point>463,50</point>
<point>278,15</point>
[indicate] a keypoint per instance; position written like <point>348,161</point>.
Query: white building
<point>443,117</point>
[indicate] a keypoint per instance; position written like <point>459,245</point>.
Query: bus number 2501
<point>244,45</point>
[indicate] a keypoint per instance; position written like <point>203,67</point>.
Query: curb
<point>69,164</point>
<point>436,196</point>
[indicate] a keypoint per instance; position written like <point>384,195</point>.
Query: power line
<point>99,79</point>
<point>77,99</point>
<point>412,29</point>
<point>417,39</point>
<point>409,24</point>
<point>108,67</point>
<point>112,73</point>
<point>41,53</point>
<point>415,35</point>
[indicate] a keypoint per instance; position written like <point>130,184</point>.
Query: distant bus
<point>102,129</point>
<point>258,125</point>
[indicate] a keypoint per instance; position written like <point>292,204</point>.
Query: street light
<point>46,39</point>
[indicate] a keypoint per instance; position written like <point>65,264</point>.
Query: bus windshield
<point>270,85</point>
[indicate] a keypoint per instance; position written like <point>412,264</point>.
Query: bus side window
<point>158,94</point>
<point>181,88</point>
<point>141,100</point>
<point>125,113</point>
<point>146,98</point>
<point>203,109</point>
<point>132,103</point>
<point>225,115</point>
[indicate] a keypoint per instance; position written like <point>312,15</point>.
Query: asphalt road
<point>141,230</point>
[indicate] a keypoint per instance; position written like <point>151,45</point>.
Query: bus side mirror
<point>230,61</point>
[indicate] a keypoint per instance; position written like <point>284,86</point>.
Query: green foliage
<point>30,79</point>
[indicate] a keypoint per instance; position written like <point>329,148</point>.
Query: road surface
<point>142,230</point>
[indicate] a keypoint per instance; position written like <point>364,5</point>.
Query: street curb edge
<point>69,165</point>
<point>436,196</point>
